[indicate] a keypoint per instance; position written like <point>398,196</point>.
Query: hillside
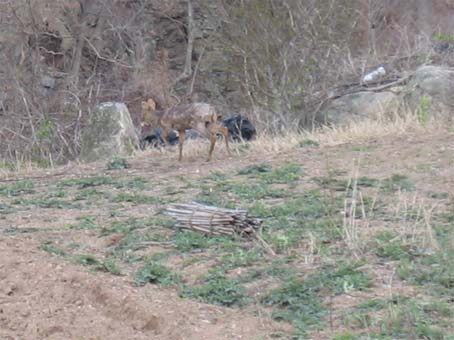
<point>275,62</point>
<point>363,233</point>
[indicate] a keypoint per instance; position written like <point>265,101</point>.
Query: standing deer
<point>201,117</point>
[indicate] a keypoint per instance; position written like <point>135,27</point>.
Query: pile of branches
<point>212,220</point>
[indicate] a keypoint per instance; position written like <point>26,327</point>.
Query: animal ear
<point>151,104</point>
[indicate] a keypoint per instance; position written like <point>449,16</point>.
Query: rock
<point>48,82</point>
<point>110,132</point>
<point>430,90</point>
<point>360,106</point>
<point>428,94</point>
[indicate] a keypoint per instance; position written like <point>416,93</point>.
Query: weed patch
<point>136,198</point>
<point>19,188</point>
<point>51,248</point>
<point>84,222</point>
<point>397,182</point>
<point>117,163</point>
<point>217,289</point>
<point>91,260</point>
<point>86,182</point>
<point>153,272</point>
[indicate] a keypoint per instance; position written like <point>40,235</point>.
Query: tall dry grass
<point>265,144</point>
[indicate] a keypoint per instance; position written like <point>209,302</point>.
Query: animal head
<point>148,113</point>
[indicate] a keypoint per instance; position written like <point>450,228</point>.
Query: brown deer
<point>201,117</point>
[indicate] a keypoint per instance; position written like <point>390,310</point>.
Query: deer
<point>201,117</point>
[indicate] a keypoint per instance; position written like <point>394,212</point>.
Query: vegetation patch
<point>52,248</point>
<point>136,198</point>
<point>86,182</point>
<point>397,182</point>
<point>117,163</point>
<point>18,188</point>
<point>153,272</point>
<point>301,301</point>
<point>102,265</point>
<point>84,222</point>
<point>217,289</point>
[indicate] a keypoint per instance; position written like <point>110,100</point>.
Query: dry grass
<point>265,144</point>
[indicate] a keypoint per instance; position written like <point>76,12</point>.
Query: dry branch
<point>212,220</point>
<point>216,221</point>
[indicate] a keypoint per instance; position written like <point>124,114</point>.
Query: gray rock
<point>359,106</point>
<point>429,94</point>
<point>48,82</point>
<point>110,132</point>
<point>431,90</point>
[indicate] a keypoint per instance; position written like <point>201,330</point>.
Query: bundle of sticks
<point>212,220</point>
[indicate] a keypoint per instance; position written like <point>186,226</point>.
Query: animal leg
<point>225,132</point>
<point>181,135</point>
<point>212,138</point>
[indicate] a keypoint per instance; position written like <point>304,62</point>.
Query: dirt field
<point>68,266</point>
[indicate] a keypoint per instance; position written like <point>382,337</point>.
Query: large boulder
<point>359,106</point>
<point>109,132</point>
<point>430,93</point>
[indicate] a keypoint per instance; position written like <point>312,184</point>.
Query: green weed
<point>84,222</point>
<point>308,143</point>
<point>423,110</point>
<point>136,198</point>
<point>286,173</point>
<point>187,241</point>
<point>217,289</point>
<point>117,163</point>
<point>153,272</point>
<point>18,188</point>
<point>297,303</point>
<point>255,169</point>
<point>397,182</point>
<point>90,260</point>
<point>389,245</point>
<point>86,182</point>
<point>407,318</point>
<point>51,248</point>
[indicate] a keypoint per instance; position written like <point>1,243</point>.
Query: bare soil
<point>46,297</point>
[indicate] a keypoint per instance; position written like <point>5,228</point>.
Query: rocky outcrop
<point>110,132</point>
<point>430,92</point>
<point>359,106</point>
<point>427,93</point>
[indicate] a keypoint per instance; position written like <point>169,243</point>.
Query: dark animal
<point>240,128</point>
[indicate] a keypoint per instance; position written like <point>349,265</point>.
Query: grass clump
<point>126,226</point>
<point>410,319</point>
<point>286,173</point>
<point>106,266</point>
<point>86,182</point>
<point>255,169</point>
<point>397,182</point>
<point>187,241</point>
<point>300,301</point>
<point>153,272</point>
<point>84,222</point>
<point>19,188</point>
<point>117,163</point>
<point>51,248</point>
<point>217,289</point>
<point>297,303</point>
<point>389,245</point>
